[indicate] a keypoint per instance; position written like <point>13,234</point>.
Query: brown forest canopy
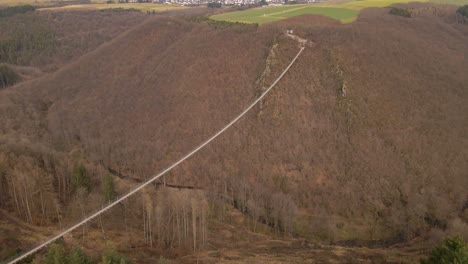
<point>368,126</point>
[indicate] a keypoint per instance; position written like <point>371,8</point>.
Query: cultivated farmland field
<point>271,14</point>
<point>345,12</point>
<point>139,6</point>
<point>39,2</point>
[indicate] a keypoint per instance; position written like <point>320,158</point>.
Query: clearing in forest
<point>345,12</point>
<point>263,15</point>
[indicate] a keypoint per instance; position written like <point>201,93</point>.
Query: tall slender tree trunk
<point>28,208</point>
<point>150,232</point>
<point>178,229</point>
<point>194,227</point>
<point>58,215</point>
<point>102,227</point>
<point>144,221</point>
<point>15,197</point>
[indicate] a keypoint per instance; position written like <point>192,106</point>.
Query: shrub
<point>214,5</point>
<point>163,260</point>
<point>120,10</point>
<point>463,11</point>
<point>108,188</point>
<point>400,12</point>
<point>78,257</point>
<point>81,178</point>
<point>8,76</point>
<point>236,26</point>
<point>197,19</point>
<point>56,254</point>
<point>13,10</point>
<point>111,256</point>
<point>452,251</point>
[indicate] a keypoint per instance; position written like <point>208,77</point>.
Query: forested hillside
<point>363,142</point>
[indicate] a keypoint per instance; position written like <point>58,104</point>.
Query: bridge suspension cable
<point>154,178</point>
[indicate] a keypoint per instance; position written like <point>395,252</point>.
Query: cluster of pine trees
<point>463,11</point>
<point>27,39</point>
<point>8,76</point>
<point>451,250</point>
<point>58,253</point>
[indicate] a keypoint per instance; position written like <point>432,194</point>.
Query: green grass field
<point>270,14</point>
<point>345,12</point>
<point>140,6</point>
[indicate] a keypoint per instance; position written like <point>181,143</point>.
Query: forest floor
<point>229,242</point>
<point>233,243</point>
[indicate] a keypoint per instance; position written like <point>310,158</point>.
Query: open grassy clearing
<point>139,6</point>
<point>271,14</point>
<point>344,12</point>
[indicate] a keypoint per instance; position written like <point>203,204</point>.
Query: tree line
<point>13,10</point>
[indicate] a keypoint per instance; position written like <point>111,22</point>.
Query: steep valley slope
<point>363,142</point>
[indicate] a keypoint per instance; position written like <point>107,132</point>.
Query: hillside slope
<point>364,139</point>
